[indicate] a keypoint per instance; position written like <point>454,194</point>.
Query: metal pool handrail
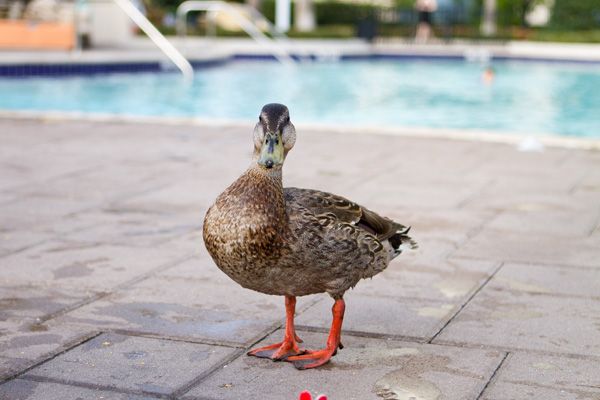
<point>158,38</point>
<point>244,22</point>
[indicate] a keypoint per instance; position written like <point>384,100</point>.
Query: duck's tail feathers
<point>400,241</point>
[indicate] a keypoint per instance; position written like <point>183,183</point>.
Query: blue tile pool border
<point>24,70</point>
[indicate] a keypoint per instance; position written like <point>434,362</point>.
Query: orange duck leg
<point>289,346</point>
<point>316,358</point>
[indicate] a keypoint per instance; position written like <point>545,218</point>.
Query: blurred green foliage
<point>328,12</point>
<point>572,20</point>
<point>576,14</point>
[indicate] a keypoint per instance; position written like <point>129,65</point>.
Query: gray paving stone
<point>217,310</point>
<point>548,279</point>
<point>456,225</point>
<point>95,185</point>
<point>73,193</point>
<point>22,389</point>
<point>137,364</point>
<point>365,369</point>
<point>10,367</point>
<point>15,240</point>
<point>547,222</point>
<point>527,376</point>
<point>432,250</point>
<point>136,228</point>
<point>24,341</point>
<point>528,173</point>
<point>535,202</point>
<point>36,301</point>
<point>443,194</point>
<point>526,248</point>
<point>590,184</point>
<point>452,280</point>
<point>387,316</point>
<point>81,265</point>
<point>534,314</point>
<point>31,212</point>
<point>179,196</point>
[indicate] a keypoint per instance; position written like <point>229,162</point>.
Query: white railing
<point>275,47</point>
<point>146,26</point>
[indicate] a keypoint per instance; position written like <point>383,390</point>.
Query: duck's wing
<point>346,211</point>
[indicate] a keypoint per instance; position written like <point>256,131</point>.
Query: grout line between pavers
<point>235,355</point>
<point>575,186</point>
<point>26,247</point>
<point>524,262</point>
<point>150,335</point>
<point>472,233</point>
<point>69,174</point>
<point>467,345</point>
<point>102,295</point>
<point>493,376</point>
<point>62,349</point>
<point>196,381</point>
<point>596,225</point>
<point>363,334</point>
<point>464,304</point>
<point>477,192</point>
<point>92,386</point>
<point>101,205</point>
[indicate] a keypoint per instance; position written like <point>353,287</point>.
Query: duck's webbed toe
<point>312,358</point>
<point>289,346</point>
<point>278,351</point>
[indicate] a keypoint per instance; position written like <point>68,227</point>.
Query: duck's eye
<point>266,141</point>
<point>276,141</point>
<point>260,119</point>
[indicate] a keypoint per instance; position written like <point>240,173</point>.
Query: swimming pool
<point>525,97</point>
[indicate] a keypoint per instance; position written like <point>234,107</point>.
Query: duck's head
<point>274,136</point>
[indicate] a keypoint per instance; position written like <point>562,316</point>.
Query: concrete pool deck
<point>206,50</point>
<point>107,291</point>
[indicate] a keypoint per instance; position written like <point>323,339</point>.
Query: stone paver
<point>106,290</point>
<point>136,228</point>
<point>187,301</point>
<point>450,281</point>
<point>548,279</point>
<point>364,369</point>
<point>38,301</point>
<point>81,265</point>
<point>539,315</point>
<point>525,376</point>
<point>408,318</point>
<point>520,247</point>
<point>135,364</point>
<point>36,342</point>
<point>21,389</point>
<point>12,366</point>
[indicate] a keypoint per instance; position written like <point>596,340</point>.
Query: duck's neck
<point>263,188</point>
<point>273,174</point>
<point>260,190</point>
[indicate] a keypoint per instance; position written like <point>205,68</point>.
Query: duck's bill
<point>271,153</point>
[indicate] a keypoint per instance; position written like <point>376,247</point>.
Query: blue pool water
<point>525,97</point>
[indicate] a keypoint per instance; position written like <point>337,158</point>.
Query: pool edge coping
<point>508,138</point>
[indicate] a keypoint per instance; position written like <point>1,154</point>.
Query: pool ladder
<point>275,44</point>
<point>158,38</point>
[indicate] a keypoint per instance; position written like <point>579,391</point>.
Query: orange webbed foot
<point>312,358</point>
<point>316,358</point>
<point>278,351</point>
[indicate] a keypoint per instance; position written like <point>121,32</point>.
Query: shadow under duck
<point>295,242</point>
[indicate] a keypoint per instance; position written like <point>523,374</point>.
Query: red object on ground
<point>307,396</point>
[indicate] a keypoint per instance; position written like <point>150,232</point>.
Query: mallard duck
<point>295,242</point>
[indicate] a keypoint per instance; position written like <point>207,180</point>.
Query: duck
<point>295,242</point>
